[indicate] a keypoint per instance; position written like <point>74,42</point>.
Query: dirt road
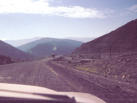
<point>59,77</point>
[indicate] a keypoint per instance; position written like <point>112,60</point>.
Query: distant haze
<point>19,42</point>
<point>47,46</point>
<point>82,39</point>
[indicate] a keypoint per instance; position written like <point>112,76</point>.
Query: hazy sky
<point>63,18</point>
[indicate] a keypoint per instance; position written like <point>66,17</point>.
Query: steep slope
<point>113,55</point>
<point>47,46</point>
<point>8,50</point>
<point>120,41</point>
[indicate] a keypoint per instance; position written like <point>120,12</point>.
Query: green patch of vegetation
<point>87,69</point>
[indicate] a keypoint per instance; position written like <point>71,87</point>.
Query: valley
<point>105,67</point>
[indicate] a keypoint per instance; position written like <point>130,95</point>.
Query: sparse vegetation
<point>87,69</point>
<point>5,60</point>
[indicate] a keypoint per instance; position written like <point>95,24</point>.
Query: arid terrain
<point>105,67</point>
<point>50,74</point>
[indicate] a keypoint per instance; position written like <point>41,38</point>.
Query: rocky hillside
<point>10,51</point>
<point>118,42</point>
<point>113,55</point>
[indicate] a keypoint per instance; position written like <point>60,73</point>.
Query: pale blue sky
<point>21,19</point>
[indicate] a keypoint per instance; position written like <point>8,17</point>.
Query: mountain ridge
<point>48,46</point>
<point>8,50</point>
<point>121,40</point>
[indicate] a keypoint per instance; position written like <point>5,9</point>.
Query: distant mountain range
<point>120,41</point>
<point>14,53</point>
<point>20,42</point>
<point>82,39</point>
<point>47,46</point>
<point>105,67</point>
<point>17,43</point>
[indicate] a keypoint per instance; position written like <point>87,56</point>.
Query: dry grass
<point>87,69</point>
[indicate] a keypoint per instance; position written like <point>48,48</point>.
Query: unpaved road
<point>58,77</point>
